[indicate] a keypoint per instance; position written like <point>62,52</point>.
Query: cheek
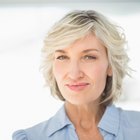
<point>98,72</point>
<point>58,71</point>
<point>98,78</point>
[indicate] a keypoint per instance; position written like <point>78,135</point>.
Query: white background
<point>23,99</point>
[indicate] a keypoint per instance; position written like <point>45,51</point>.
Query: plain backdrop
<point>24,101</point>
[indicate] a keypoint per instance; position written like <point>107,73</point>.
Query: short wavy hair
<point>75,25</point>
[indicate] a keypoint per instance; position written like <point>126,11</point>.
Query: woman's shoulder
<point>32,133</point>
<point>45,129</point>
<point>19,135</point>
<point>124,124</point>
<point>130,118</point>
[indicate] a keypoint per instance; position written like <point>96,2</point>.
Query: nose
<point>74,71</point>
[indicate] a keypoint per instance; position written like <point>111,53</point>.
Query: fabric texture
<point>115,124</point>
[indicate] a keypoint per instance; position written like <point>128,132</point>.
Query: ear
<point>109,71</point>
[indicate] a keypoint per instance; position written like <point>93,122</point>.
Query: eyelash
<point>62,57</point>
<point>89,57</point>
<point>86,57</point>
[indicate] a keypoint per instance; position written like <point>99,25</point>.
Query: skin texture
<point>80,71</point>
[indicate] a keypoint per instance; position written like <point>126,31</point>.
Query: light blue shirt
<point>116,124</point>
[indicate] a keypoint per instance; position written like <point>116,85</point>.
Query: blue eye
<point>62,57</point>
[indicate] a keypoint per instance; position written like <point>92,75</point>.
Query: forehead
<point>89,42</point>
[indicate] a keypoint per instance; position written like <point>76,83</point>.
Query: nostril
<point>76,74</point>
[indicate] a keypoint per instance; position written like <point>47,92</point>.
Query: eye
<point>89,57</point>
<point>62,57</point>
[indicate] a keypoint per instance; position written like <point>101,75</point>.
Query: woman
<point>84,64</point>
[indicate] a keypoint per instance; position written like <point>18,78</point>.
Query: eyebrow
<point>89,50</point>
<point>84,51</point>
<point>61,51</point>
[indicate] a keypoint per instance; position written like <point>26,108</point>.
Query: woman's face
<point>81,70</point>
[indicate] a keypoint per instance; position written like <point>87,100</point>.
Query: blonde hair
<point>78,24</point>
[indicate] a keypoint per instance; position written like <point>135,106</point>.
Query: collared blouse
<point>115,124</point>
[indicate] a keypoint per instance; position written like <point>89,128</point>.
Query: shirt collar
<point>58,121</point>
<point>110,121</point>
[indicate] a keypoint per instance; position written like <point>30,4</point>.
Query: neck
<point>84,116</point>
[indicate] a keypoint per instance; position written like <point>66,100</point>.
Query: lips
<point>78,86</point>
